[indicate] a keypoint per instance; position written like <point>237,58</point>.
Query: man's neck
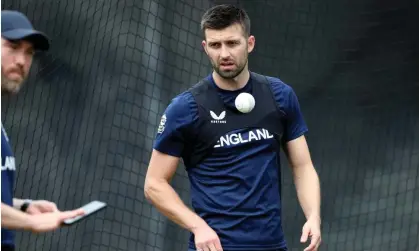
<point>232,84</point>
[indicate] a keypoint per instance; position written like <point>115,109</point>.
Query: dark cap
<point>16,26</point>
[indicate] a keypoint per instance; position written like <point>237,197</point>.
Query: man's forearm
<point>14,219</point>
<point>167,201</point>
<point>308,190</point>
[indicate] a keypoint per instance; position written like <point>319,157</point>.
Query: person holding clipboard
<point>18,45</point>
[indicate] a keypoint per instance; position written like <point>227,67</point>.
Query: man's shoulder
<point>199,87</point>
<point>182,105</point>
<point>183,98</point>
<point>278,86</point>
<point>188,96</point>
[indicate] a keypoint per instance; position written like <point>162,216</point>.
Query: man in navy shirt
<point>232,158</point>
<point>18,44</point>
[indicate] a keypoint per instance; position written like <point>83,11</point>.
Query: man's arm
<point>296,149</point>
<point>305,177</point>
<point>12,218</point>
<point>161,194</point>
<point>174,133</point>
<point>17,220</point>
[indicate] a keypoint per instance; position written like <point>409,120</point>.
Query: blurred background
<point>83,126</point>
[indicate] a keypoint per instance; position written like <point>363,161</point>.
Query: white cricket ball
<point>245,102</point>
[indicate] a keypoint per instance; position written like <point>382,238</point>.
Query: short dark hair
<point>221,16</point>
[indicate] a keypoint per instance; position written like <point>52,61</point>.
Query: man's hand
<point>206,239</point>
<point>45,222</point>
<point>12,218</point>
<point>312,229</point>
<point>41,206</point>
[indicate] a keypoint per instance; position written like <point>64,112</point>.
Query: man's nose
<point>20,59</point>
<point>225,53</point>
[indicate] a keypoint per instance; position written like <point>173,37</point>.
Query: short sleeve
<point>293,122</point>
<point>175,125</point>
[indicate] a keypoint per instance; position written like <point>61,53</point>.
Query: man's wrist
<point>21,204</point>
<point>17,203</point>
<point>314,216</point>
<point>198,223</point>
<point>25,205</point>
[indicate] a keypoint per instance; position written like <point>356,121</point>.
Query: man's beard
<point>9,86</point>
<point>230,74</point>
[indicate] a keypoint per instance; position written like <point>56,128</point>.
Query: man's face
<point>16,60</point>
<point>228,50</point>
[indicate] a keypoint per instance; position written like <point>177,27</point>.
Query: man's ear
<point>251,43</point>
<point>204,45</point>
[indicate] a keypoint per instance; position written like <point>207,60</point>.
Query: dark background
<point>83,126</point>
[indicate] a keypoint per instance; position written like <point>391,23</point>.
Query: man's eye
<point>13,45</point>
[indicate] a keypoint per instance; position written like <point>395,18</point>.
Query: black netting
<point>83,126</point>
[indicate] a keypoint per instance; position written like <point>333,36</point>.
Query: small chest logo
<point>218,119</point>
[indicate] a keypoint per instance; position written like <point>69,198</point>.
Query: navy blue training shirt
<point>236,190</point>
<point>7,181</point>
